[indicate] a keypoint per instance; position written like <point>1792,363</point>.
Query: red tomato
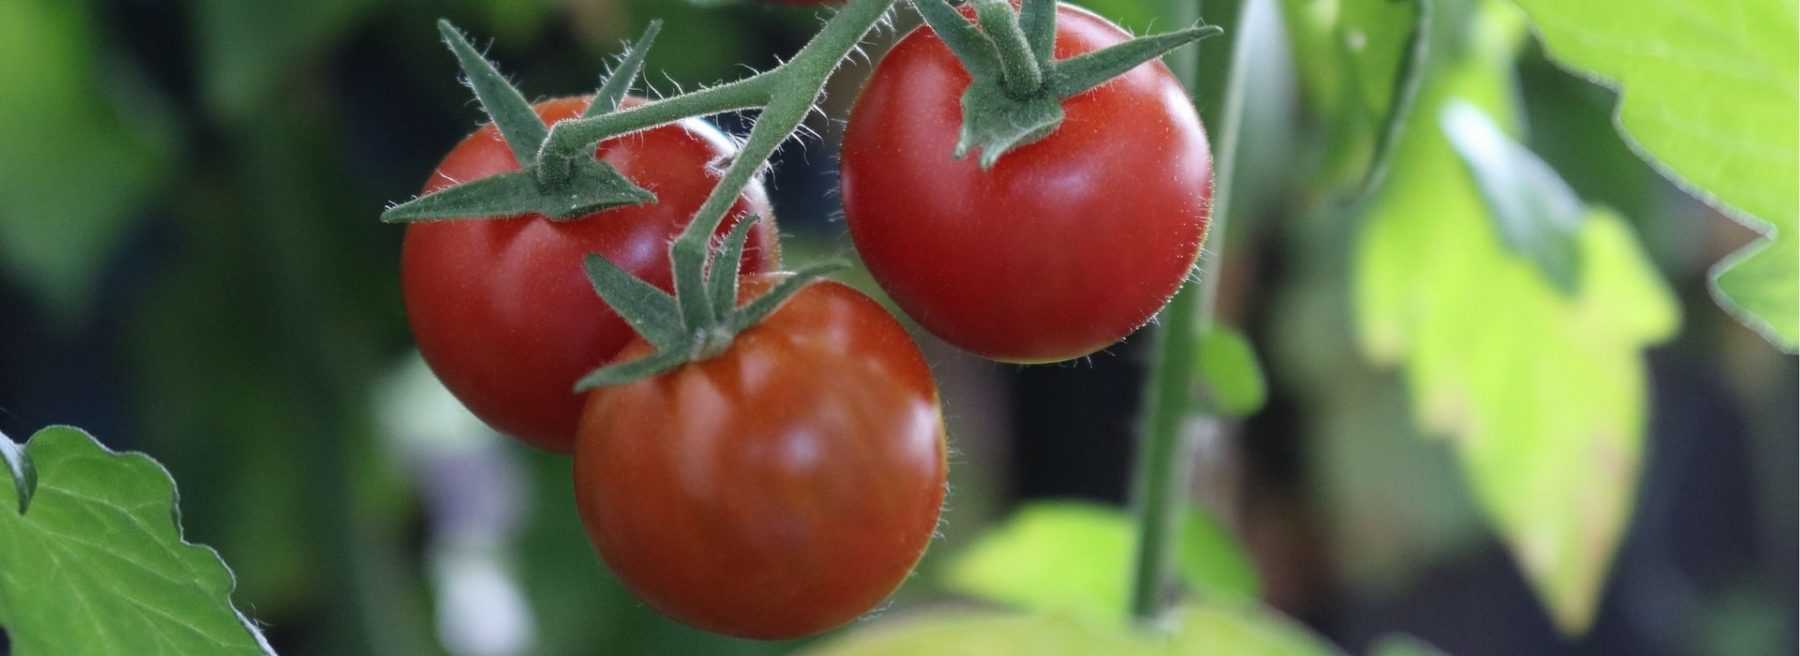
<point>1066,245</point>
<point>502,309</point>
<point>778,490</point>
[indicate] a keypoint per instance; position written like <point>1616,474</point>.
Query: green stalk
<point>1172,420</point>
<point>793,88</point>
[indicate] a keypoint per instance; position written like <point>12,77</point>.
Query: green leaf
<point>1229,370</point>
<point>20,469</point>
<point>1213,564</point>
<point>1209,629</point>
<point>90,149</point>
<point>99,565</point>
<point>1070,557</point>
<point>1708,92</point>
<point>1543,393</point>
<point>1537,214</point>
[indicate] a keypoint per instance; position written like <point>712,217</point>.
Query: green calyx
<point>579,187</point>
<point>559,173</point>
<point>698,325</point>
<point>1018,87</point>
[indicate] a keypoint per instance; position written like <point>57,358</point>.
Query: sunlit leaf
<point>1709,91</point>
<point>1542,393</point>
<point>1535,212</point>
<point>1228,367</point>
<point>98,565</point>
<point>1208,629</point>
<point>1075,558</point>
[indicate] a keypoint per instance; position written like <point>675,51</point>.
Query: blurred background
<point>192,267</point>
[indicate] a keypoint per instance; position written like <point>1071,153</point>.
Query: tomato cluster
<point>805,464</point>
<point>779,476</point>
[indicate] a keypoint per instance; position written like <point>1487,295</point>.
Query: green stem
<point>1020,74</point>
<point>1172,421</point>
<point>575,138</point>
<point>795,85</point>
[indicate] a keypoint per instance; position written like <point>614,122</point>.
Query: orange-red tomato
<point>1066,245</point>
<point>778,490</point>
<point>502,309</point>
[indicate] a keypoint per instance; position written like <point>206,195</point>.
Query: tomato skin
<point>775,491</point>
<point>1066,245</point>
<point>502,309</point>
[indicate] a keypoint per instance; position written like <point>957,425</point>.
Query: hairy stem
<point>1020,74</point>
<point>1172,420</point>
<point>797,83</point>
<point>575,138</point>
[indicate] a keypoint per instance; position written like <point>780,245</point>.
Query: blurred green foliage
<point>1196,629</point>
<point>91,143</point>
<point>1071,557</point>
<point>1543,395</point>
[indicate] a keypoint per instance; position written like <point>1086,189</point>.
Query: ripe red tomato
<point>502,310</point>
<point>1066,245</point>
<point>778,490</point>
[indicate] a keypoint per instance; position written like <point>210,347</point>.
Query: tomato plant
<point>1466,258</point>
<point>1065,245</point>
<point>768,469</point>
<point>779,489</point>
<point>500,308</point>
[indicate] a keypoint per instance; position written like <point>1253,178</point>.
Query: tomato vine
<point>1015,98</point>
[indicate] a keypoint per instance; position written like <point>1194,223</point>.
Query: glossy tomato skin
<point>1066,245</point>
<point>775,491</point>
<point>502,310</point>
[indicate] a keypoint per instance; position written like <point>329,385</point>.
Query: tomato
<point>1066,245</point>
<point>502,310</point>
<point>777,490</point>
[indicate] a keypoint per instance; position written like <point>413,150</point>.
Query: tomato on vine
<point>769,461</point>
<point>778,489</point>
<point>1066,236</point>
<point>500,308</point>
